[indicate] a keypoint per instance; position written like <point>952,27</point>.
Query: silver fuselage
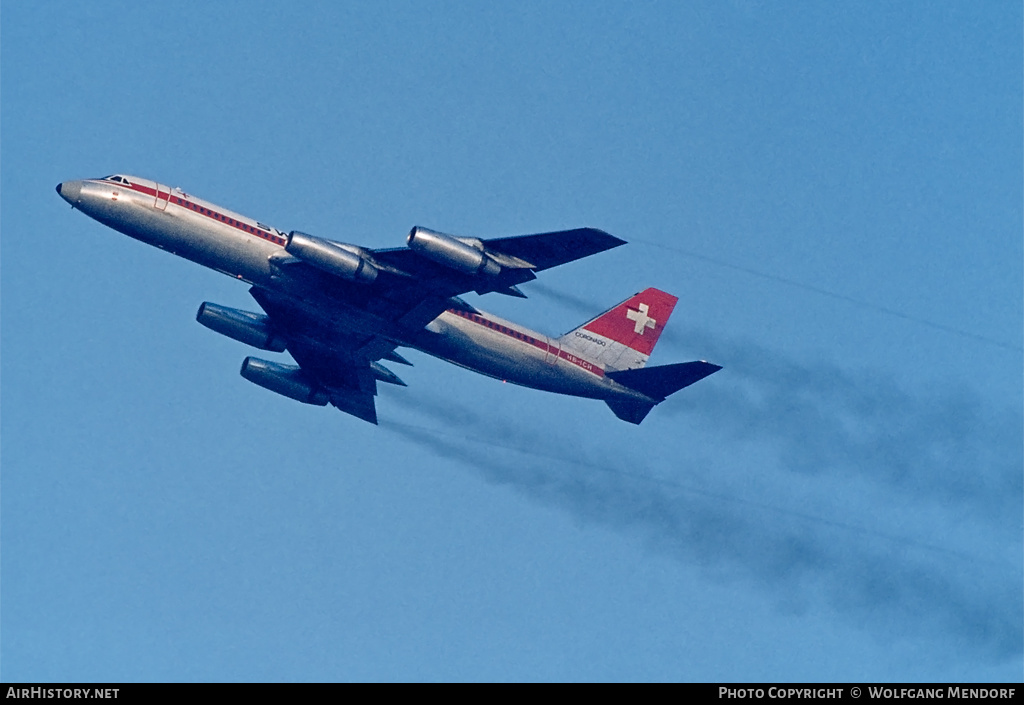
<point>246,249</point>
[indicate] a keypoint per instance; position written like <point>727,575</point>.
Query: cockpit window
<point>116,178</point>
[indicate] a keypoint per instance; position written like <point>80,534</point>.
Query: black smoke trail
<point>941,450</point>
<point>887,585</point>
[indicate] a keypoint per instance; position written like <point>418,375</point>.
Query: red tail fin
<point>624,336</point>
<point>638,322</point>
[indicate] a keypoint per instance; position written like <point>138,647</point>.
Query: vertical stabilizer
<point>623,337</point>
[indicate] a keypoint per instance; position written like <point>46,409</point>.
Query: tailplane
<point>623,337</point>
<point>657,383</point>
<point>631,411</point>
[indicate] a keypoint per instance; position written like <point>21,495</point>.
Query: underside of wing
<point>337,361</point>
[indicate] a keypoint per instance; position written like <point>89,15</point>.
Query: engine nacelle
<point>330,257</point>
<point>452,252</point>
<point>245,327</point>
<point>287,380</point>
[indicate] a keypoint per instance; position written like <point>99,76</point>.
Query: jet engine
<point>283,379</point>
<point>331,257</point>
<point>466,257</point>
<point>245,327</point>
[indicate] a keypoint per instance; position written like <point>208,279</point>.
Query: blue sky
<point>833,191</point>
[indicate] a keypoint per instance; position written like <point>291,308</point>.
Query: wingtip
<point>612,240</point>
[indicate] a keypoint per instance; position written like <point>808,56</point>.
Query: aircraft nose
<point>70,191</point>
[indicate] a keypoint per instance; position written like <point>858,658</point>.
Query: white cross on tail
<point>643,321</point>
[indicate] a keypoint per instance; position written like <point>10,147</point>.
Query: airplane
<point>341,309</point>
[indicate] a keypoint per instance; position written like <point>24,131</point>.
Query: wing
<point>526,253</point>
<point>548,250</point>
<point>337,329</point>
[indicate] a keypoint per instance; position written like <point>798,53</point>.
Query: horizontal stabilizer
<point>631,411</point>
<point>659,382</point>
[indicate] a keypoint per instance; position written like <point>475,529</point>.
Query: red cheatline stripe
<point>539,344</point>
<point>209,213</point>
